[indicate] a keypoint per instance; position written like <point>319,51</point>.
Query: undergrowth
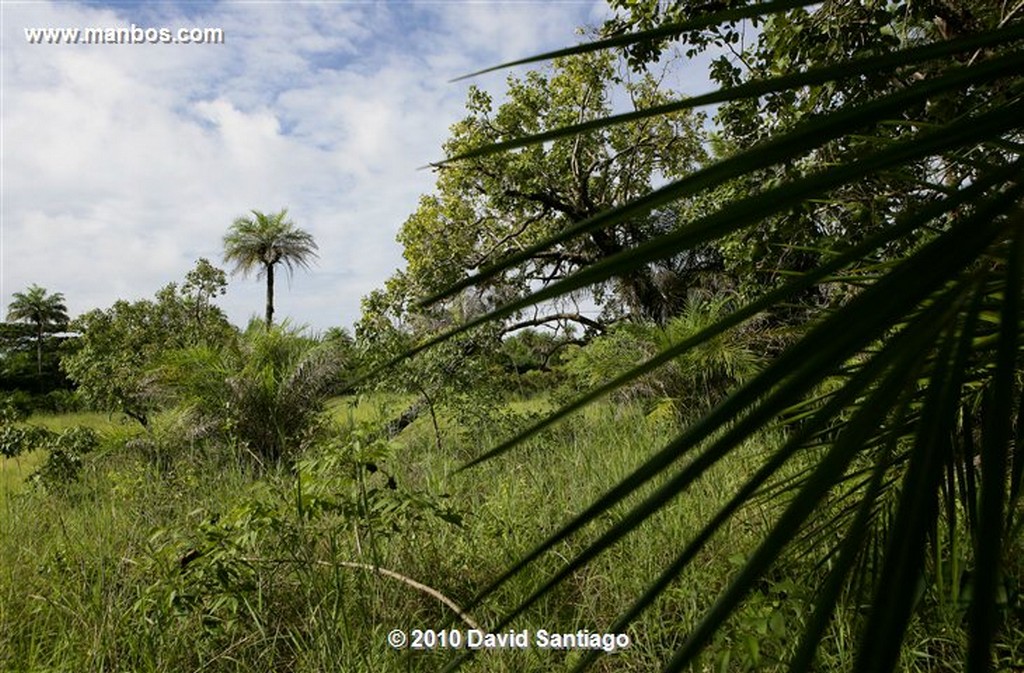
<point>142,565</point>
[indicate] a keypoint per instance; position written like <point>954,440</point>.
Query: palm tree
<point>41,309</point>
<point>270,385</point>
<point>262,242</point>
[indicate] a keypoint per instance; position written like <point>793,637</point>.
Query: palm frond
<point>938,321</point>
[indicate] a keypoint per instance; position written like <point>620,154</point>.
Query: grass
<point>200,567</point>
<point>98,421</point>
<point>13,472</point>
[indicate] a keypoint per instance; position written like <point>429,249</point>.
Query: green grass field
<point>204,566</point>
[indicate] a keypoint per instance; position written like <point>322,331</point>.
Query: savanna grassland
<point>200,566</point>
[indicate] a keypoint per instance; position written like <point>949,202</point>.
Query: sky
<point>122,164</point>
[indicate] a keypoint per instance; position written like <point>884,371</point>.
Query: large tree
<point>263,241</point>
<point>787,42</point>
<point>44,310</point>
<point>488,209</point>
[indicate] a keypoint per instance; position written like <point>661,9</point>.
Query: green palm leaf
<point>933,326</point>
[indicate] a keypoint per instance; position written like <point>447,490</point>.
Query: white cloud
<point>122,164</point>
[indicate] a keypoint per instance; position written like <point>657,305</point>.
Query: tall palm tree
<point>262,242</point>
<point>43,310</point>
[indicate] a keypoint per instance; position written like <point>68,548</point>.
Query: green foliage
<point>47,314</point>
<point>57,401</point>
<point>18,439</point>
<point>202,566</point>
<point>351,478</point>
<point>532,359</point>
<point>689,383</point>
<point>16,406</point>
<point>39,307</point>
<point>263,241</point>
<point>340,341</point>
<point>66,451</point>
<point>113,361</point>
<point>488,208</point>
<point>259,395</point>
<point>223,578</point>
<point>463,376</point>
<point>881,148</point>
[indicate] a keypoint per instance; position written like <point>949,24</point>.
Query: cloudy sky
<point>123,164</point>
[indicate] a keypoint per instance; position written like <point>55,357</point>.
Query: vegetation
<point>744,389</point>
<point>263,241</point>
<point>257,395</point>
<point>45,311</point>
<point>906,383</point>
<point>490,207</point>
<point>114,361</point>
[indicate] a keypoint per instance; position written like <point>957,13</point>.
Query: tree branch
<point>419,586</point>
<point>555,317</point>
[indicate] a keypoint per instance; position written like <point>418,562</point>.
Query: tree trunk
<point>393,427</point>
<point>270,295</point>
<point>639,290</point>
<point>39,355</point>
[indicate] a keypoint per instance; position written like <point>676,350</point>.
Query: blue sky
<point>123,164</point>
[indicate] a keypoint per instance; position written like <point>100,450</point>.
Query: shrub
<point>261,396</point>
<point>61,401</point>
<point>19,403</point>
<point>64,461</point>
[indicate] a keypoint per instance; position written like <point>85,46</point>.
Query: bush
<point>20,404</point>
<point>261,397</point>
<point>60,401</point>
<point>18,439</point>
<point>64,461</point>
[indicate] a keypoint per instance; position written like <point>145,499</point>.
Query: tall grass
<point>144,568</point>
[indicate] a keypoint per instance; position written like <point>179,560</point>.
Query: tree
<point>114,362</point>
<point>263,241</point>
<point>202,284</point>
<point>45,311</point>
<point>488,209</point>
<point>907,387</point>
<point>459,374</point>
<point>257,394</point>
<point>795,240</point>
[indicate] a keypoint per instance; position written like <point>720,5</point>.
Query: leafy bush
<point>64,460</point>
<point>17,405</point>
<point>61,401</point>
<point>18,439</point>
<point>350,477</point>
<point>238,569</point>
<point>261,395</point>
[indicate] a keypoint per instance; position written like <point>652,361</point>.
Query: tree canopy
<point>113,362</point>
<point>487,208</point>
